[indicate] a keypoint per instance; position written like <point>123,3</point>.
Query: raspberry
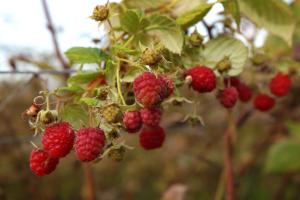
<point>245,92</point>
<point>89,143</point>
<point>100,13</point>
<point>203,79</point>
<point>264,102</point>
<point>117,154</point>
<point>232,81</point>
<point>280,85</point>
<point>41,163</point>
<point>148,90</point>
<point>228,97</point>
<point>111,113</point>
<point>151,57</point>
<point>58,139</point>
<point>168,86</point>
<point>152,137</point>
<point>132,121</point>
<point>151,116</point>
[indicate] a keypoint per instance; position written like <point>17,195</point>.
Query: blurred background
<point>33,37</point>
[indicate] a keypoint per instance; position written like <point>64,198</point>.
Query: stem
<point>89,181</point>
<point>228,168</point>
<point>119,84</point>
<point>111,30</point>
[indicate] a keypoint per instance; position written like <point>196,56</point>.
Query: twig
<point>89,181</point>
<point>229,139</point>
<point>208,28</point>
<point>52,31</point>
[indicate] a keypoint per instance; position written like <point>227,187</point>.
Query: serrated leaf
<point>167,31</point>
<point>83,77</point>
<point>131,21</point>
<point>274,15</point>
<point>283,157</point>
<point>85,55</point>
<point>193,16</point>
<point>75,115</point>
<point>216,49</point>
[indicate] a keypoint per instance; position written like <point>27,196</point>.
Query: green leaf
<point>283,157</point>
<point>89,101</point>
<point>71,89</point>
<point>275,46</point>
<point>192,17</point>
<point>274,15</point>
<point>110,73</point>
<point>85,55</point>
<point>75,115</point>
<point>83,77</point>
<point>294,129</point>
<point>216,49</point>
<point>131,75</point>
<point>131,21</point>
<point>232,7</point>
<point>167,31</point>
<point>145,4</point>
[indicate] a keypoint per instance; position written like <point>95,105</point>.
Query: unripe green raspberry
<point>100,13</point>
<point>111,113</point>
<point>117,154</point>
<point>151,57</point>
<point>196,39</point>
<point>48,116</point>
<point>224,65</point>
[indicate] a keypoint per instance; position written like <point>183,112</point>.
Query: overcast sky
<point>23,25</point>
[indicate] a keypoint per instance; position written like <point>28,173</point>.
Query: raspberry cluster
<point>150,90</point>
<point>279,86</point>
<point>58,141</point>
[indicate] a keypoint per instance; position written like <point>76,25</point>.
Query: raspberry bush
<point>156,58</point>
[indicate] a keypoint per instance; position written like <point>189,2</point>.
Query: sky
<point>23,25</point>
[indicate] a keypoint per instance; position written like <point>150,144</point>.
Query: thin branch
<point>90,184</point>
<point>52,31</point>
<point>208,28</point>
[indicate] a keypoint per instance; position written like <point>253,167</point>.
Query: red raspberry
<point>280,84</point>
<point>245,92</point>
<point>168,86</point>
<point>232,81</point>
<point>58,139</point>
<point>152,137</point>
<point>203,79</point>
<point>228,97</point>
<point>41,163</point>
<point>89,143</point>
<point>151,116</point>
<point>264,102</point>
<point>132,121</point>
<point>148,89</point>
